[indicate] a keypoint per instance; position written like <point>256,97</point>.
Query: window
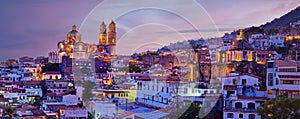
<point>244,81</point>
<point>238,105</point>
<point>241,115</point>
<point>229,93</point>
<point>270,79</point>
<point>251,116</point>
<point>288,82</point>
<point>229,115</point>
<point>234,81</point>
<point>270,64</point>
<point>185,90</point>
<point>251,105</point>
<point>167,89</point>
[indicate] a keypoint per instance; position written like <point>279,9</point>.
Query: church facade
<point>84,56</point>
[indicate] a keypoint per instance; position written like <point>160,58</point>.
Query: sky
<point>33,28</point>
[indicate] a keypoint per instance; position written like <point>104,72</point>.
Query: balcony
<point>247,110</point>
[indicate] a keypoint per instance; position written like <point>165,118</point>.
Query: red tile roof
<point>32,83</point>
<point>3,99</point>
<point>52,72</point>
<point>37,112</point>
<point>265,52</point>
<point>227,87</point>
<point>56,107</point>
<point>17,89</point>
<point>286,63</point>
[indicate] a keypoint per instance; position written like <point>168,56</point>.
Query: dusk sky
<point>33,28</point>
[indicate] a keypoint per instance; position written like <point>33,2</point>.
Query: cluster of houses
<point>229,78</point>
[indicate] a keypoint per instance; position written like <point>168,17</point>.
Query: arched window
<point>229,115</point>
<point>251,105</point>
<point>241,116</point>
<point>251,116</point>
<point>238,105</point>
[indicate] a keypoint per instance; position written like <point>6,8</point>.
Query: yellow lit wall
<point>250,57</point>
<point>218,56</point>
<point>238,57</point>
<point>191,73</point>
<point>223,57</point>
<point>102,39</point>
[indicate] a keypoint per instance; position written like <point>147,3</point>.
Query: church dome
<point>73,35</point>
<point>74,30</point>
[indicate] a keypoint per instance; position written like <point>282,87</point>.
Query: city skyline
<point>33,28</point>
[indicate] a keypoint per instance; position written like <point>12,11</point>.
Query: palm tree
<point>9,112</point>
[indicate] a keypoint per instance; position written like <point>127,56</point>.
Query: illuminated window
<point>288,82</point>
<point>238,57</point>
<point>250,57</point>
<point>80,47</point>
<point>218,57</point>
<point>223,57</point>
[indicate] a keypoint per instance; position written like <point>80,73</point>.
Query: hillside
<point>284,20</point>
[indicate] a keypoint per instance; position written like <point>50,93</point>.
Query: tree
<point>273,31</point>
<point>87,92</point>
<point>9,112</point>
<point>51,67</point>
<point>253,30</point>
<point>85,70</point>
<point>134,68</point>
<point>280,108</point>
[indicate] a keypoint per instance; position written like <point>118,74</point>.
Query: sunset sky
<point>33,28</point>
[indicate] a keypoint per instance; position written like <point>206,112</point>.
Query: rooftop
<point>283,63</point>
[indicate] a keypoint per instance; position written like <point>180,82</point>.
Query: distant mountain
<point>284,20</point>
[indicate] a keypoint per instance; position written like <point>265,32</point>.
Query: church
<point>81,59</point>
<point>73,47</point>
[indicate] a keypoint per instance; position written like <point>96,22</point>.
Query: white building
<point>283,78</point>
<point>242,97</point>
<point>52,75</point>
<point>259,41</point>
<point>277,40</point>
<point>253,37</point>
<point>262,56</point>
<point>155,91</point>
<point>33,90</point>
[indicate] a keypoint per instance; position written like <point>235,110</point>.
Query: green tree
<point>192,112</point>
<point>280,108</point>
<point>85,70</point>
<point>134,68</point>
<point>9,112</point>
<point>273,31</point>
<point>87,92</point>
<point>51,67</point>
